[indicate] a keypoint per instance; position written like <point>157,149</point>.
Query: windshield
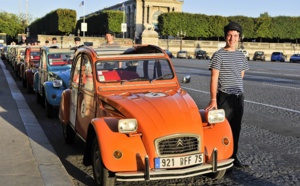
<point>59,59</point>
<point>137,70</point>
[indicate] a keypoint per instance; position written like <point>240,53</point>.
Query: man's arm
<point>243,73</point>
<point>213,89</point>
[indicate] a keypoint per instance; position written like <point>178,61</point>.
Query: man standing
<point>109,37</point>
<point>77,41</point>
<point>228,66</point>
<point>54,43</point>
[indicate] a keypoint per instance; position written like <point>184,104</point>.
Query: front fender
<point>52,94</point>
<point>110,140</point>
<point>214,136</point>
<point>36,82</point>
<point>64,107</point>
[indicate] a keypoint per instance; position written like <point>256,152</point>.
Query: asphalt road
<point>270,137</point>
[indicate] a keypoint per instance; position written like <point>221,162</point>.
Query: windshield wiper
<point>161,77</point>
<point>135,79</point>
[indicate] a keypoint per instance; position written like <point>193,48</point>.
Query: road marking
<point>282,86</point>
<point>248,101</point>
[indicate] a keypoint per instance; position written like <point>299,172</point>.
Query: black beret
<point>77,39</point>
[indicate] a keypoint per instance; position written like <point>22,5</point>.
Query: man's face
<point>109,38</point>
<point>232,38</point>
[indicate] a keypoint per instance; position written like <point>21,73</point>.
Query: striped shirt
<point>230,65</point>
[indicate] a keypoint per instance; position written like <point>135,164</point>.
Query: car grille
<point>177,144</point>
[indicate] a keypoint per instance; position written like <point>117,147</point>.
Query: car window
<point>87,75</point>
<point>59,59</point>
<point>137,70</point>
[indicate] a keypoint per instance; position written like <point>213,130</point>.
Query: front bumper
<point>163,174</point>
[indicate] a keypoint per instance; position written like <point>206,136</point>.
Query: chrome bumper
<point>163,174</point>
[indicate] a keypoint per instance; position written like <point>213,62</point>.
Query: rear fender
<point>29,77</point>
<point>110,141</point>
<point>64,107</point>
<point>215,136</point>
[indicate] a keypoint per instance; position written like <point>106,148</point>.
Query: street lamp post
<point>123,8</point>
<point>181,34</point>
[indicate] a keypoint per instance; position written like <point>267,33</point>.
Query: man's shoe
<point>238,164</point>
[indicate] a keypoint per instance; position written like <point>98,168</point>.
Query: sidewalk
<point>26,155</point>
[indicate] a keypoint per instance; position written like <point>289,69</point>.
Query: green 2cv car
<point>138,124</point>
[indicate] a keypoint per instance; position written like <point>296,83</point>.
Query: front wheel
<point>49,109</point>
<point>38,98</point>
<point>101,174</point>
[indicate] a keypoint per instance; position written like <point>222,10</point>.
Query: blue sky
<point>250,8</point>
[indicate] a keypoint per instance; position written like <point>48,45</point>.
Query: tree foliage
<point>57,22</point>
<point>105,20</point>
<point>198,25</point>
<point>10,24</point>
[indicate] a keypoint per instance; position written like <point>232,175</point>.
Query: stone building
<point>139,14</point>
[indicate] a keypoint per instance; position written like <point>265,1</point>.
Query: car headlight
<point>127,125</point>
<point>216,116</point>
<point>57,83</point>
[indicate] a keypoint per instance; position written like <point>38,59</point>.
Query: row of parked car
<point>127,105</point>
<point>258,56</point>
<point>44,71</point>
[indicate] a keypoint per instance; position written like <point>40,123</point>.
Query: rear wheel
<point>24,83</point>
<point>101,174</point>
<point>29,88</point>
<point>69,134</point>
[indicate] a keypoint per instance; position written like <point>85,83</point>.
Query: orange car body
<point>172,137</point>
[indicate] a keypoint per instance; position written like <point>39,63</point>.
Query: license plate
<point>182,161</point>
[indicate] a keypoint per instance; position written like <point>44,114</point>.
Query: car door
<point>74,84</point>
<point>41,71</point>
<point>85,97</point>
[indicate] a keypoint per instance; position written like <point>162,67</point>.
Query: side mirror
<point>186,79</point>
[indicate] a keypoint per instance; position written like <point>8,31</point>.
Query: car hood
<point>159,113</point>
<point>63,75</point>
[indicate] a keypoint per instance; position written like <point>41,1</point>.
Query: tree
<point>263,26</point>
<point>11,25</point>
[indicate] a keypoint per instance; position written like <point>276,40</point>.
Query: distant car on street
<point>201,54</point>
<point>169,53</point>
<point>259,55</point>
<point>182,54</point>
<point>295,58</point>
<point>245,53</point>
<point>278,56</point>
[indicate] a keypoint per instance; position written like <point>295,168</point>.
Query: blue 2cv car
<point>52,77</point>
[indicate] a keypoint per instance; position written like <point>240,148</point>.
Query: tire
<point>29,89</point>
<point>49,109</point>
<point>24,83</point>
<point>38,98</point>
<point>69,134</point>
<point>217,175</point>
<point>101,174</point>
